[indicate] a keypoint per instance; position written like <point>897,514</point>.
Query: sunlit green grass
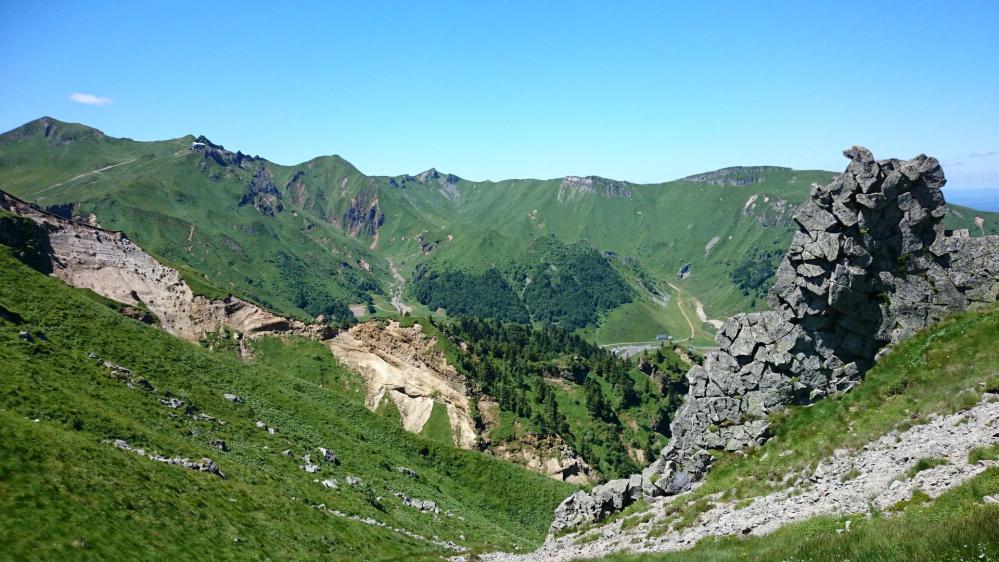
<point>61,483</point>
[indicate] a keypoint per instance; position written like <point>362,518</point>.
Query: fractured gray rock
<point>418,504</point>
<point>172,403</point>
<point>204,465</point>
<point>328,456</point>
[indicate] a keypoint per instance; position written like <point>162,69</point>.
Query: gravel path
<point>848,482</point>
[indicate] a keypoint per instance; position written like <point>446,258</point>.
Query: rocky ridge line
<point>869,264</point>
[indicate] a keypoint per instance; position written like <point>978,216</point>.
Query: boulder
<point>328,456</point>
<point>172,403</point>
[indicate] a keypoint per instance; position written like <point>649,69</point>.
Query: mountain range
<point>616,261</point>
<point>383,365</point>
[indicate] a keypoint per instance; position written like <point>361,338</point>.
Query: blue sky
<point>641,91</point>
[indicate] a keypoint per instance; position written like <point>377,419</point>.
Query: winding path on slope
<point>83,175</point>
<point>679,305</point>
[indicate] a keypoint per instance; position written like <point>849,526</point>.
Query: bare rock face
<point>573,188</point>
<point>364,216</point>
<point>403,365</point>
<point>736,176</point>
<point>549,455</point>
<point>869,265</point>
<point>263,194</point>
<point>110,264</point>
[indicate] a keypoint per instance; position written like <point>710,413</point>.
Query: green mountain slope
<point>313,238</point>
<point>67,490</point>
<point>191,208</point>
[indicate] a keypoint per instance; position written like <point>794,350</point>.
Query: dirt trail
<point>699,309</point>
<point>83,175</point>
<point>704,317</point>
<point>679,305</point>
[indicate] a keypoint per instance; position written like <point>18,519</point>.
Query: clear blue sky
<point>641,91</point>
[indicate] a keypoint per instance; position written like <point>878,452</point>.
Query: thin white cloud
<point>983,154</point>
<point>89,99</point>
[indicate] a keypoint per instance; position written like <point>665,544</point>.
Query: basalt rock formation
<point>869,264</point>
<point>263,194</point>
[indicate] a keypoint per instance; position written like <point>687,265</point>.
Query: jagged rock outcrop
<point>263,194</point>
<point>448,184</point>
<point>869,264</point>
<point>218,154</point>
<point>735,176</point>
<point>573,187</point>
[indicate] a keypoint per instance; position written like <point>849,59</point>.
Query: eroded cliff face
<point>113,266</point>
<point>404,365</point>
<point>549,455</point>
<point>870,264</point>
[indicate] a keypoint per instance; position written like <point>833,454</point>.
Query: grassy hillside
<point>66,491</point>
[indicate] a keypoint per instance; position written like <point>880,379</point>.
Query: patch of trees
<point>310,294</point>
<point>465,294</point>
<point>526,369</point>
<point>755,273</point>
<point>570,285</point>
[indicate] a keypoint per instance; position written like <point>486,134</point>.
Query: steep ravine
<point>401,364</point>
